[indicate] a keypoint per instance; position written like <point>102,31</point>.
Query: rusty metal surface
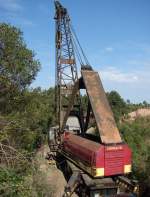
<point>103,115</point>
<point>75,92</point>
<point>81,149</point>
<point>85,144</point>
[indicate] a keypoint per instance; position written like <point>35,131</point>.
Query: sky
<point>115,36</point>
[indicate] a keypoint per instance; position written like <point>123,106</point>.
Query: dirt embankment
<point>52,181</point>
<point>52,177</point>
<point>143,112</point>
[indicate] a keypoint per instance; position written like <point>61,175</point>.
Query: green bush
<point>137,135</point>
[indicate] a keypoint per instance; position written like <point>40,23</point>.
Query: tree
<point>18,66</point>
<point>117,104</point>
<point>145,104</point>
<point>128,101</point>
<point>25,116</point>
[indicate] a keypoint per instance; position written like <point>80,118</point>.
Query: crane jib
<point>102,112</point>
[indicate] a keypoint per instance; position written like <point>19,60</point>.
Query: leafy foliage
<point>25,114</point>
<point>118,105</point>
<point>26,128</point>
<point>12,184</point>
<point>18,66</point>
<point>137,135</point>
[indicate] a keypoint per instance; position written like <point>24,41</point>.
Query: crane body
<point>93,162</point>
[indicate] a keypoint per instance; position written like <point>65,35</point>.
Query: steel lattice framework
<point>66,69</point>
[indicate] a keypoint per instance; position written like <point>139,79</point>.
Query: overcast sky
<point>115,35</point>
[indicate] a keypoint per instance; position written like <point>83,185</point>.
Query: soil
<point>142,112</point>
<point>53,177</point>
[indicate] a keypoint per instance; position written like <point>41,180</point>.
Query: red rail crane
<point>88,146</point>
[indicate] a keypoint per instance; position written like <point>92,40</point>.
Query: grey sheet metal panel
<point>105,121</point>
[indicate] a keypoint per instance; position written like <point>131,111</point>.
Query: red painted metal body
<point>111,158</point>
